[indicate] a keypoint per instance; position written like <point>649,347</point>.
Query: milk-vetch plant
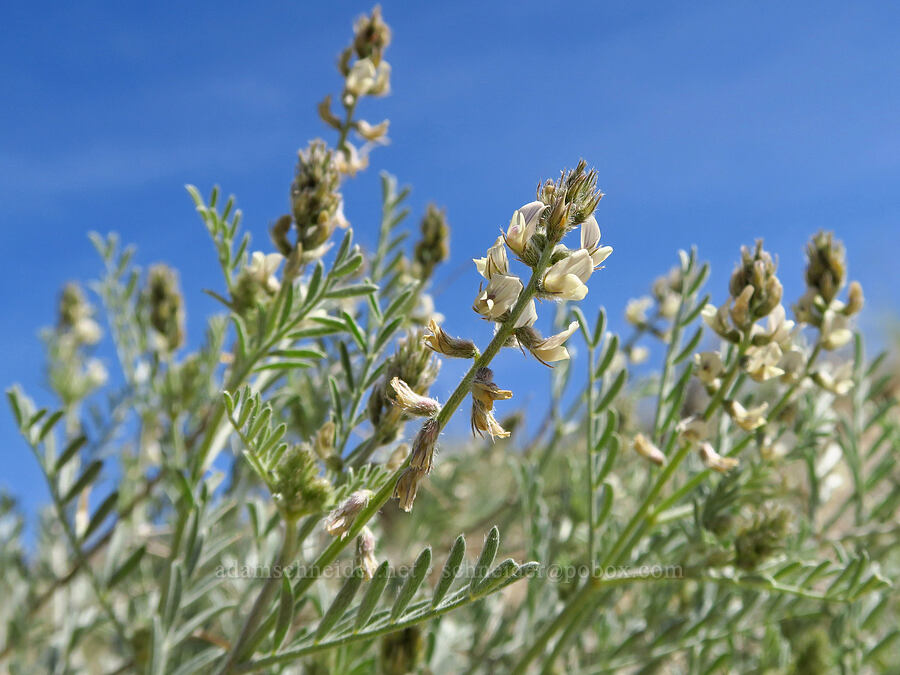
<point>272,500</point>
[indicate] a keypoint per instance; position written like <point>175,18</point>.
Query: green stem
<point>590,453</point>
<point>285,557</point>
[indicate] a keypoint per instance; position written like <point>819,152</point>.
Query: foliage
<point>240,506</point>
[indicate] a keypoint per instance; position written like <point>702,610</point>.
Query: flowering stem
<point>685,489</point>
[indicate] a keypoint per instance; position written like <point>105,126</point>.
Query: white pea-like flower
<point>522,226</point>
<point>262,268</point>
<point>590,241</point>
<point>95,373</point>
<point>552,348</point>
<point>496,261</point>
<point>499,297</point>
<point>87,331</point>
<point>835,330</point>
<point>567,277</point>
<point>778,329</point>
<point>713,460</point>
<point>709,366</point>
<point>365,78</point>
<point>636,310</point>
<point>761,363</point>
<point>638,355</point>
<point>838,381</point>
<point>747,419</point>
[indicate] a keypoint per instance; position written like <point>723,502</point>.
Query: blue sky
<point>709,123</point>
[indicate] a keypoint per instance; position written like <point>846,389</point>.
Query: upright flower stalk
<point>557,273</point>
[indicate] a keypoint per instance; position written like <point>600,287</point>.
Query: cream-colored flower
<point>339,521</point>
<point>484,422</point>
<point>522,226</point>
<point>717,318</point>
<point>713,460</point>
<point>792,363</point>
<point>693,429</point>
<point>747,419</point>
<point>838,381</point>
<point>95,373</point>
<point>637,355</point>
<point>778,329</point>
<point>709,366</point>
<point>590,241</point>
<point>761,363</point>
<point>262,268</point>
<point>528,315</point>
<point>365,78</point>
<point>552,349</point>
<point>499,297</point>
<point>645,448</point>
<point>496,261</point>
<point>350,161</point>
<point>373,132</point>
<point>566,278</point>
<point>87,331</point>
<point>636,310</point>
<point>835,330</point>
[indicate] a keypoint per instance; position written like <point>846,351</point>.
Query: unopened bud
<point>439,341</point>
<point>365,553</point>
<point>407,486</point>
<point>645,448</point>
<point>339,521</point>
<point>422,455</point>
<point>413,403</point>
<point>855,299</point>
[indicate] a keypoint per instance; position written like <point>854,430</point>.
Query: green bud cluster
<point>165,305</point>
<point>757,271</point>
<point>572,199</point>
<point>761,537</point>
<point>296,485</point>
<point>826,269</point>
<point>72,307</point>
<point>316,206</point>
<point>434,246</point>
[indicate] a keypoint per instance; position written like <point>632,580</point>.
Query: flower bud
<point>757,272</point>
<point>434,246</point>
<point>439,341</point>
<point>855,299</point>
<point>407,486</point>
<point>645,448</point>
<point>826,266</point>
<point>365,553</point>
<point>371,35</point>
<point>422,456</point>
<point>339,521</point>
<point>297,488</point>
<point>413,403</point>
<point>166,306</point>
